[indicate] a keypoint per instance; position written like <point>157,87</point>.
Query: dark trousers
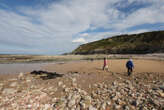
<point>130,70</point>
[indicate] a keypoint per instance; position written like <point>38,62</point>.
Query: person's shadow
<point>46,75</point>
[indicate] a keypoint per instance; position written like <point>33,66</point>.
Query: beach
<point>47,86</point>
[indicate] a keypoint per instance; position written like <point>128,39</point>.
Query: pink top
<point>105,62</point>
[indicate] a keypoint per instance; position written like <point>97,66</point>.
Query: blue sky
<point>58,26</point>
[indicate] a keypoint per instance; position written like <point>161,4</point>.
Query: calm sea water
<point>21,67</point>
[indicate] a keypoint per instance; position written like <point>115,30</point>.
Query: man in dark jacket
<point>130,66</point>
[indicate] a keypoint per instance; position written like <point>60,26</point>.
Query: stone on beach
<point>21,76</point>
<point>124,93</point>
<point>8,91</point>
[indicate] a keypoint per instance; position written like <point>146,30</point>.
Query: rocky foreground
<point>37,91</point>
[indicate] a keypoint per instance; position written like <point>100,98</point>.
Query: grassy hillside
<point>148,42</point>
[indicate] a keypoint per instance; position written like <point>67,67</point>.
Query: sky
<point>52,27</point>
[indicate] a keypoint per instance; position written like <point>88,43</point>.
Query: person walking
<point>130,66</point>
<point>105,66</point>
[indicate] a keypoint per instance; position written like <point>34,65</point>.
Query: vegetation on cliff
<point>148,42</point>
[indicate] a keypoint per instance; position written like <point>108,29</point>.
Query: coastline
<point>9,59</point>
<point>54,83</point>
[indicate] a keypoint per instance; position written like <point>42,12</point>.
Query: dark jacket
<point>129,64</point>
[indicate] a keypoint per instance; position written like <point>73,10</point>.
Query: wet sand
<point>8,71</point>
<point>117,66</point>
<point>20,67</point>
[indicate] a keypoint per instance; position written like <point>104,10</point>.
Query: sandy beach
<point>117,66</point>
<point>48,86</point>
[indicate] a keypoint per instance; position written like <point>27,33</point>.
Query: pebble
<point>71,103</point>
<point>92,108</point>
<point>21,76</point>
<point>13,84</point>
<point>9,91</point>
<point>60,83</point>
<point>123,94</point>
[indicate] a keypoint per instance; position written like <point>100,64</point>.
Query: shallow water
<point>21,67</point>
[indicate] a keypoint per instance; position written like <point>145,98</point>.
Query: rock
<point>161,93</point>
<point>13,84</point>
<point>74,84</point>
<point>127,82</point>
<point>54,99</point>
<point>92,108</point>
<point>55,89</point>
<point>103,106</point>
<point>9,91</point>
<point>47,107</point>
<point>29,106</point>
<point>118,102</point>
<point>116,107</point>
<point>66,90</point>
<point>95,85</point>
<point>60,83</point>
<point>114,83</point>
<point>89,86</point>
<point>115,98</point>
<point>135,103</point>
<point>108,103</point>
<point>85,102</point>
<point>120,95</point>
<point>63,86</point>
<point>154,88</point>
<point>1,88</point>
<point>21,76</point>
<point>28,80</point>
<point>161,87</point>
<point>1,84</point>
<point>83,105</point>
<point>125,107</point>
<point>73,79</point>
<point>59,104</point>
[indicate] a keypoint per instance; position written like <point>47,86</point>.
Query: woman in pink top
<point>105,66</point>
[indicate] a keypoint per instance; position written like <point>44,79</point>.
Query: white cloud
<point>148,15</point>
<point>79,40</point>
<point>138,31</point>
<point>55,27</point>
<point>84,35</point>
